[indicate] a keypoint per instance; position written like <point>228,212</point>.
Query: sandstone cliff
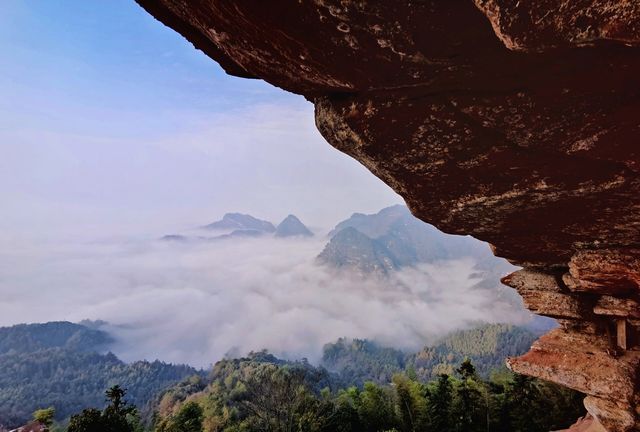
<point>516,122</point>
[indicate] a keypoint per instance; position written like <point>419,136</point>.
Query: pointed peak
<point>291,226</point>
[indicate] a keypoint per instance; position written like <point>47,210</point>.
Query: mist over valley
<point>244,285</point>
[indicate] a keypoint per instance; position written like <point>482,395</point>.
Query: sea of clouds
<point>197,302</point>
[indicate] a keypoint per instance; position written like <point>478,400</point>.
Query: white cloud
<point>197,302</point>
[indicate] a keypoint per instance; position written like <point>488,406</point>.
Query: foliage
<point>54,365</point>
<point>259,393</point>
<point>118,416</point>
<point>486,346</point>
<point>361,360</point>
<point>252,393</point>
<point>188,419</point>
<point>28,338</point>
<point>440,403</point>
<point>456,385</point>
<point>89,420</point>
<point>469,411</point>
<point>44,416</point>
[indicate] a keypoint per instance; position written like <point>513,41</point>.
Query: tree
<point>90,420</point>
<point>118,416</point>
<point>522,399</point>
<point>115,397</point>
<point>467,370</point>
<point>345,417</point>
<point>469,410</point>
<point>376,408</point>
<point>275,398</point>
<point>188,419</point>
<point>440,405</point>
<point>45,416</point>
<point>411,404</point>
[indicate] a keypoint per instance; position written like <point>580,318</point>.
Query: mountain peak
<point>240,221</point>
<point>374,225</point>
<point>291,226</point>
<point>350,248</point>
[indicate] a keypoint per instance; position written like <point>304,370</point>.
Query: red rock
<point>585,424</point>
<point>528,279</point>
<point>543,294</point>
<point>581,362</point>
<point>538,25</point>
<point>610,271</point>
<point>613,415</point>
<point>613,306</point>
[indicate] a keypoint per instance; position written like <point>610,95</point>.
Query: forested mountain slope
<point>24,338</point>
<point>260,392</point>
<point>487,346</point>
<point>61,365</point>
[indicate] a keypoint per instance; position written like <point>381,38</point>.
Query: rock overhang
<point>516,122</point>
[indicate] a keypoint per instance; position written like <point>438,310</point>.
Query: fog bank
<point>196,303</point>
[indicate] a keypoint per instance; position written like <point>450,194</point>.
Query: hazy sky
<point>112,124</point>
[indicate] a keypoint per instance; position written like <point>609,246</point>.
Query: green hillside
<point>57,365</point>
<point>487,346</point>
<point>262,393</point>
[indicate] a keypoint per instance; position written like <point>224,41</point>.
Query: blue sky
<point>110,123</point>
<point>114,58</point>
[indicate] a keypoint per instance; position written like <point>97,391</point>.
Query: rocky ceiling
<point>517,122</point>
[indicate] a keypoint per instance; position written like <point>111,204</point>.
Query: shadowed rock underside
<point>516,122</point>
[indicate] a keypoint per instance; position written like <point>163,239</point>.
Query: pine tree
<point>522,399</point>
<point>440,405</point>
<point>118,416</point>
<point>469,411</point>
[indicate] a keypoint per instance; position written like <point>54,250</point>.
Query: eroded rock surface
<point>585,424</point>
<point>517,122</point>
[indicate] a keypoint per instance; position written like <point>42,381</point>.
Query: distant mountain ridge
<point>373,225</point>
<point>392,239</point>
<point>62,364</point>
<point>361,360</point>
<point>239,221</point>
<point>239,225</point>
<point>28,338</point>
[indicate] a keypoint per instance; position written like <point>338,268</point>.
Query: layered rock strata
<point>517,122</point>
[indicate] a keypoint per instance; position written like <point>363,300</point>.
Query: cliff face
<point>514,121</point>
